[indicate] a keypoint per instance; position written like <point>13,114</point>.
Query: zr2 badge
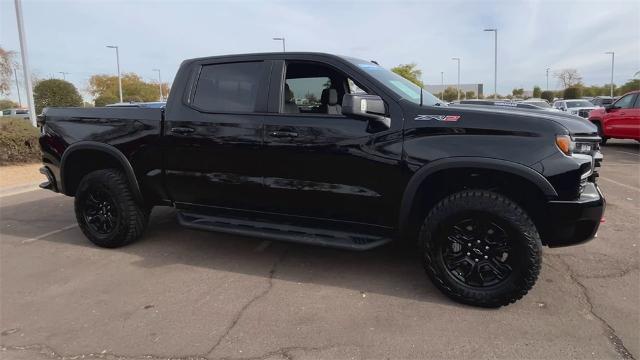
<point>448,118</point>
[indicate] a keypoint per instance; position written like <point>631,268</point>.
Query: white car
<point>577,107</point>
<point>24,113</point>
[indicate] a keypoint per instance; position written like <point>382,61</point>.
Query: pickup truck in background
<point>620,120</point>
<point>370,158</point>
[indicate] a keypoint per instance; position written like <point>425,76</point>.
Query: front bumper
<point>577,221</point>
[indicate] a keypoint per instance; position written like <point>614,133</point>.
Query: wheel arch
<point>416,187</point>
<point>103,156</point>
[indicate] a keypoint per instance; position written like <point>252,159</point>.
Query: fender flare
<point>467,162</point>
<point>111,151</point>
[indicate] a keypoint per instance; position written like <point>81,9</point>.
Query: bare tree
<point>6,70</point>
<point>568,77</point>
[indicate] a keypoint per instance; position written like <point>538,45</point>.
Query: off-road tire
<point>132,218</point>
<point>526,241</point>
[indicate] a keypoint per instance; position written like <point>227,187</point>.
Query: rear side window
<point>229,87</point>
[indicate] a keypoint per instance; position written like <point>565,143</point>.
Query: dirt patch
<point>17,175</point>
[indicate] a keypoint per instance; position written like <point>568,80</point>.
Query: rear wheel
<point>481,248</point>
<point>106,210</point>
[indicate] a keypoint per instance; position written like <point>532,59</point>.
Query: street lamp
<point>26,70</point>
<point>280,39</point>
<point>159,83</point>
<point>118,63</point>
<point>64,74</point>
<point>442,82</point>
<point>548,78</point>
<point>495,64</point>
<point>613,55</point>
<point>458,60</point>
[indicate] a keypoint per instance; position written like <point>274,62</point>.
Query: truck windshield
<point>399,85</point>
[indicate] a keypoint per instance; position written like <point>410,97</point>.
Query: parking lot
<point>181,293</point>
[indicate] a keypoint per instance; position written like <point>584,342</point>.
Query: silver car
<point>577,107</point>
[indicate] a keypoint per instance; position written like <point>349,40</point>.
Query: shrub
<point>547,95</point>
<point>18,141</point>
<point>572,93</point>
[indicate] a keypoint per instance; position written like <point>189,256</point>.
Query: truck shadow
<point>384,270</point>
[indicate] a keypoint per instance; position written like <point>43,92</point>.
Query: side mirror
<point>366,106</point>
<point>610,108</point>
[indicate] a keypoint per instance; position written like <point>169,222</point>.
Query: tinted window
<point>6,112</point>
<point>228,87</point>
<point>579,103</point>
<point>21,112</point>
<point>626,102</point>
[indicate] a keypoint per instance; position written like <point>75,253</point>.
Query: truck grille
<point>584,113</point>
<point>593,144</point>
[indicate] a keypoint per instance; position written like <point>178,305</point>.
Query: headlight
<point>565,144</point>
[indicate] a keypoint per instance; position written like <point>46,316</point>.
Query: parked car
<point>602,101</point>
<point>577,107</point>
<point>152,104</point>
<point>542,103</point>
<point>620,120</point>
<point>23,113</point>
<point>507,104</point>
<point>477,190</point>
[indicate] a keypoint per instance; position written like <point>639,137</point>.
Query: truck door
<point>213,135</point>
<point>619,119</point>
<point>321,164</point>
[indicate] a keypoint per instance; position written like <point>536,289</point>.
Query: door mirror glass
<point>370,107</point>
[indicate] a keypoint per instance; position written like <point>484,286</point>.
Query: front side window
<point>229,87</point>
<point>315,88</point>
<point>625,102</point>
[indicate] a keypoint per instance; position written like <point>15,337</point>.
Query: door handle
<point>182,130</point>
<point>283,134</point>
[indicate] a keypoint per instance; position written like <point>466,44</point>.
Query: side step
<point>282,232</point>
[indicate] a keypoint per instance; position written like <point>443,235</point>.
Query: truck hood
<point>574,124</point>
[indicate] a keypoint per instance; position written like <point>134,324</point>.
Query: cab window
<point>314,88</point>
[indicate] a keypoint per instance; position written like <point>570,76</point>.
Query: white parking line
<point>39,237</point>
<point>19,190</point>
<point>620,184</point>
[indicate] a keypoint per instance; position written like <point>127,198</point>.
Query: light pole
<point>495,63</point>
<point>118,63</point>
<point>26,70</point>
<point>548,78</point>
<point>281,39</point>
<point>613,55</point>
<point>442,82</point>
<point>159,83</point>
<point>64,75</point>
<point>458,60</point>
<point>15,74</point>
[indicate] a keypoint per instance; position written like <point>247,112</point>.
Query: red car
<point>620,120</point>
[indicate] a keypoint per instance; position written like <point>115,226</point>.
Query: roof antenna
<point>375,62</point>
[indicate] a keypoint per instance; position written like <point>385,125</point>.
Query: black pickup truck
<point>335,151</point>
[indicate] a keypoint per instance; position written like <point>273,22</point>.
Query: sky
<point>71,36</point>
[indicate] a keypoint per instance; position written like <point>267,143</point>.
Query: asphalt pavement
<point>186,294</point>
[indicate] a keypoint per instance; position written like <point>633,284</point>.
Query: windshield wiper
<point>421,96</point>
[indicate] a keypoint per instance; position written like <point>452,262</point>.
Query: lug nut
<point>468,254</point>
<point>469,244</point>
<point>486,248</point>
<point>486,257</point>
<point>476,260</point>
<point>478,241</point>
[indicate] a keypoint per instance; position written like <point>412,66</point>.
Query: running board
<point>282,232</point>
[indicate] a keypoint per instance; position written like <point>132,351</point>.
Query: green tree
<point>547,95</point>
<point>536,91</point>
<point>630,85</point>
<point>450,94</point>
<point>517,92</point>
<point>55,92</point>
<point>409,72</point>
<point>104,89</point>
<point>6,70</point>
<point>7,104</point>
<point>574,92</point>
<point>470,95</point>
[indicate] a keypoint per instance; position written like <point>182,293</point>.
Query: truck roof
<point>277,54</point>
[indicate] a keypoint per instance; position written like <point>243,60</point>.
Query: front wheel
<point>481,248</point>
<point>106,210</point>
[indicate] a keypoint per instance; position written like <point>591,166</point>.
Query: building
<point>437,89</point>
